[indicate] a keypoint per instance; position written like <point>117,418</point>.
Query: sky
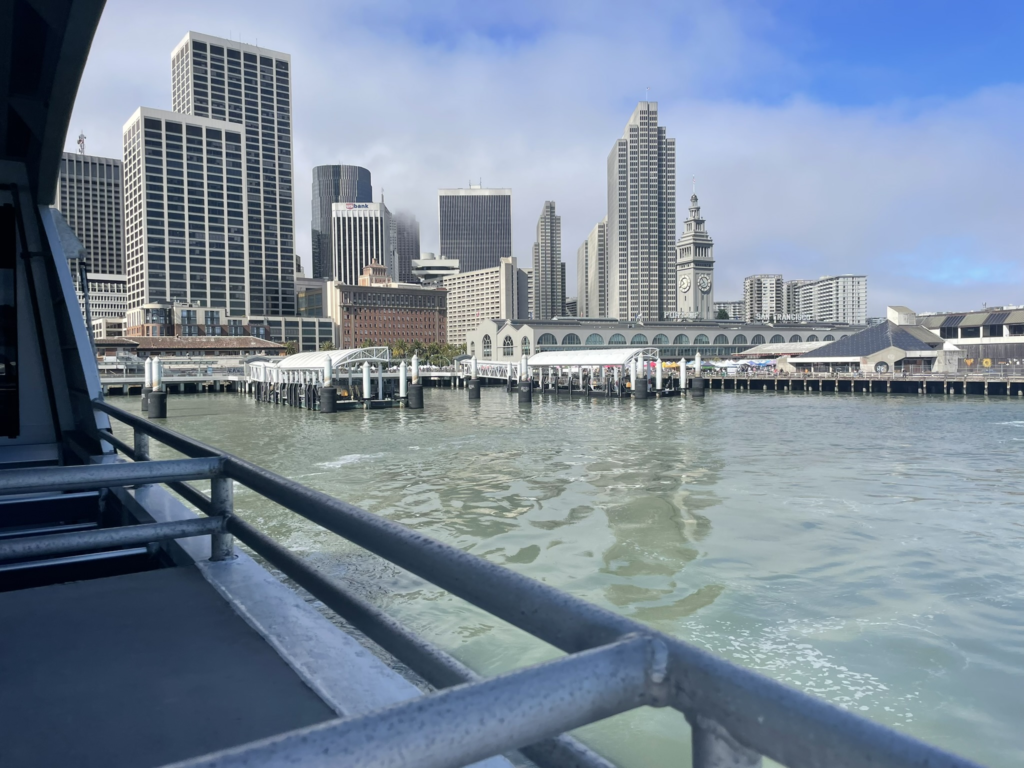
<point>840,137</point>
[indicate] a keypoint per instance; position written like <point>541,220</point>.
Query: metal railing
<point>613,664</point>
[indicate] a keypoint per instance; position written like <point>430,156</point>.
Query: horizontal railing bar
<point>554,616</point>
<point>94,476</point>
<point>71,559</point>
<point>787,725</point>
<point>19,533</point>
<point>178,442</point>
<point>468,723</point>
<point>122,536</point>
<point>431,663</point>
<point>193,495</point>
<point>701,681</point>
<point>118,443</point>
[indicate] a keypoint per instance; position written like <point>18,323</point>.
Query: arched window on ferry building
<point>526,345</point>
<point>487,345</point>
<point>595,340</point>
<point>701,339</point>
<point>508,347</point>
<point>661,338</point>
<point>546,339</point>
<point>617,338</point>
<point>682,338</point>
<point>721,339</point>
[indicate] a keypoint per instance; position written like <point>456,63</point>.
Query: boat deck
<point>138,670</point>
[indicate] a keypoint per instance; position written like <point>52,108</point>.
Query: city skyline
<point>800,164</point>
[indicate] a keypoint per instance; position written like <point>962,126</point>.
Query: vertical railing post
<point>141,445</point>
<point>713,747</point>
<point>222,498</point>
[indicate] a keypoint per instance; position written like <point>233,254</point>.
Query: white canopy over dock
<point>339,358</point>
<point>587,358</point>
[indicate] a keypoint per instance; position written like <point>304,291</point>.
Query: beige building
<point>833,299</point>
<point>763,298</point>
<point>592,273</point>
<point>485,294</point>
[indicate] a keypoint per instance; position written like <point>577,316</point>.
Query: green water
<point>868,549</point>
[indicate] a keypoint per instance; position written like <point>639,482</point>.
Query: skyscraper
<point>592,273</point>
<point>91,199</point>
<point>548,273</point>
<point>333,184</point>
<point>642,219</point>
<point>236,247</point>
<point>407,247</point>
<point>475,226</point>
<point>362,234</point>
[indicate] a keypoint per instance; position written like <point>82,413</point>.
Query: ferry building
<point>507,340</point>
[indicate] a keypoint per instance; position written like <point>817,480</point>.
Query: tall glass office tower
<point>91,200</point>
<point>198,230</point>
<point>475,226</point>
<point>407,245</point>
<point>548,268</point>
<point>333,184</point>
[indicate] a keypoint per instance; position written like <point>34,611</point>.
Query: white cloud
<point>433,95</point>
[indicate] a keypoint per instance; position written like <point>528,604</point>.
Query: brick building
<point>384,314</point>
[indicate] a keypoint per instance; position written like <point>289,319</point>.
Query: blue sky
<point>827,137</point>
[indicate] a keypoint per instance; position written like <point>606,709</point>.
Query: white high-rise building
<point>485,294</point>
<point>92,201</point>
<point>642,219</point>
<point>763,298</point>
<point>108,296</point>
<point>734,309</point>
<point>362,233</point>
<point>208,186</point>
<point>833,299</point>
<point>791,299</point>
<point>548,270</point>
<point>592,273</point>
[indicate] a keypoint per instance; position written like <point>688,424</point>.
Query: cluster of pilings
<point>590,381</point>
<point>328,392</point>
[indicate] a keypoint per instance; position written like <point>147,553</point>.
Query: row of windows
<point>596,339</point>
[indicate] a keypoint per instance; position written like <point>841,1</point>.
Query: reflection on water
<point>867,549</point>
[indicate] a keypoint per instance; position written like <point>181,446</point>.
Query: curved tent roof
<point>610,356</point>
<point>338,357</point>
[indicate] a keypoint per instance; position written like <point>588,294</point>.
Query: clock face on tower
<point>704,282</point>
<point>684,283</point>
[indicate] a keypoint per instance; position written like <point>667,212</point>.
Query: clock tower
<point>695,269</point>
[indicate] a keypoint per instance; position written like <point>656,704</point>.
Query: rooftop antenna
<point>695,185</point>
<point>81,143</point>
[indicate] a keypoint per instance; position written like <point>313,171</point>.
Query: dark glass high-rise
<point>333,184</point>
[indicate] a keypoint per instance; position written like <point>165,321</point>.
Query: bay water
<point>868,549</point>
